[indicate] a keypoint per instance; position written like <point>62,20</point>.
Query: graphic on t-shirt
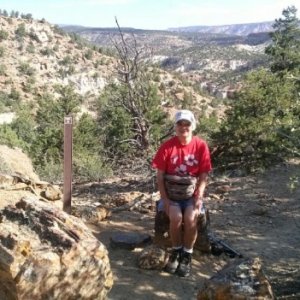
<point>189,160</point>
<point>181,170</point>
<point>174,159</point>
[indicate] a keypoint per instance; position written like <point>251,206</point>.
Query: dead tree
<point>137,92</point>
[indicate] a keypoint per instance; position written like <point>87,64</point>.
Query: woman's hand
<point>198,204</point>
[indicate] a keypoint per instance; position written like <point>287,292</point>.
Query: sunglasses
<point>184,123</point>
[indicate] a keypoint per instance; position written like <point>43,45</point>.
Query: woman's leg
<point>175,216</point>
<point>190,227</point>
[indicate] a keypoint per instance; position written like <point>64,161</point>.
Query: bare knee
<point>190,218</point>
<point>175,216</point>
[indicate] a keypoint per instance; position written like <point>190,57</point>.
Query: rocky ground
<point>257,215</point>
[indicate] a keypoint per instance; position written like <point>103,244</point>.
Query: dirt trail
<point>134,283</point>
<point>257,215</point>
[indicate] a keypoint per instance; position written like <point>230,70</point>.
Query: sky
<point>151,14</point>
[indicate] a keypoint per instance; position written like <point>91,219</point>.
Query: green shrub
<point>55,48</point>
<point>26,69</point>
<point>2,51</point>
<point>207,126</point>
<point>47,52</point>
<point>5,99</point>
<point>59,30</point>
<point>90,167</point>
<point>48,144</point>
<point>2,70</point>
<point>9,137</point>
<point>21,31</point>
<point>66,61</point>
<point>33,36</point>
<point>30,48</point>
<point>89,54</point>
<point>3,35</point>
<point>50,171</point>
<point>119,127</point>
<point>99,62</point>
<point>263,113</point>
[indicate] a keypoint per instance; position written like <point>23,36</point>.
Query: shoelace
<point>186,258</point>
<point>174,256</point>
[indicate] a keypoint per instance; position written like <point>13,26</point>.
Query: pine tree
<point>285,49</point>
<point>262,125</point>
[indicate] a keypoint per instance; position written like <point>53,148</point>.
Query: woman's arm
<point>199,190</point>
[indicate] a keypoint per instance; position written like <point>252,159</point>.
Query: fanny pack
<point>180,188</point>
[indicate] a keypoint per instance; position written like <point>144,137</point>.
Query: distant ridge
<point>233,29</point>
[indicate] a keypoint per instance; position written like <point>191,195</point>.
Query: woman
<point>181,159</point>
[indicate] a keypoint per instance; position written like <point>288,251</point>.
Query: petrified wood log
<point>48,254</point>
<point>153,258</point>
<point>242,279</point>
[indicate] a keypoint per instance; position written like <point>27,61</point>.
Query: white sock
<point>188,250</point>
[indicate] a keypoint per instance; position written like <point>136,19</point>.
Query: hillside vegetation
<point>46,74</point>
<point>118,124</point>
<point>122,104</point>
<point>262,125</point>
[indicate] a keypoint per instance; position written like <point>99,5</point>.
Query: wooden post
<point>68,148</point>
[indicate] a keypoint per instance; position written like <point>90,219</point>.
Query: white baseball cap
<point>186,115</point>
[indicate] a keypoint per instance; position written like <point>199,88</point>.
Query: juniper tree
<point>285,48</point>
<point>263,123</point>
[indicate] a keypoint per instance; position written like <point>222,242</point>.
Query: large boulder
<point>14,161</point>
<point>48,254</point>
<point>241,279</point>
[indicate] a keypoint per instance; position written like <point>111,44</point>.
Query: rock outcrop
<point>240,280</point>
<point>153,258</point>
<point>48,254</point>
<point>15,161</point>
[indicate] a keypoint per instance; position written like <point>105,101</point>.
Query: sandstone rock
<point>53,193</point>
<point>242,279</point>
<point>6,180</point>
<point>215,196</point>
<point>91,214</point>
<point>102,213</point>
<point>223,189</point>
<point>153,258</point>
<point>48,254</point>
<point>17,162</point>
<point>41,184</point>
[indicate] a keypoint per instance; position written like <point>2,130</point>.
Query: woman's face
<point>183,128</point>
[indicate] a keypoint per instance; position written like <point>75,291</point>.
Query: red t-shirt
<point>176,159</point>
